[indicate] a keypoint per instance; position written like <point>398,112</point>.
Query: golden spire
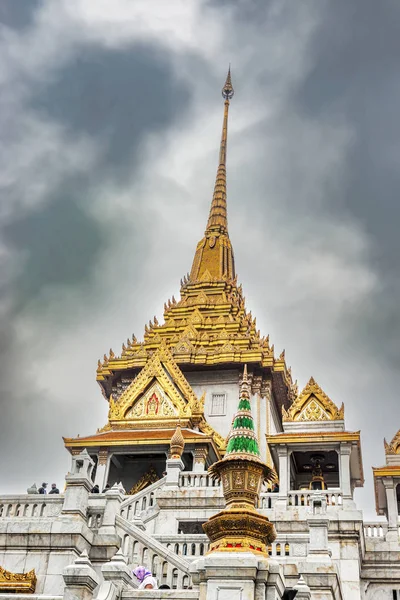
<point>217,220</point>
<point>214,254</point>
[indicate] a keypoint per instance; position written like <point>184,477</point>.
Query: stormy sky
<point>110,117</point>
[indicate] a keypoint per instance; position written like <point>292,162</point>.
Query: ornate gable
<point>394,446</point>
<point>313,405</point>
<point>160,391</point>
<point>159,396</point>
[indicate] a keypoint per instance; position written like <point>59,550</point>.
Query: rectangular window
<point>218,404</point>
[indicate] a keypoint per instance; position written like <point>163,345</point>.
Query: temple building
<point>213,470</point>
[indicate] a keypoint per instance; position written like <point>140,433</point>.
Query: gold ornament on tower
<point>239,528</point>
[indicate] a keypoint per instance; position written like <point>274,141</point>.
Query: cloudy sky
<point>110,120</point>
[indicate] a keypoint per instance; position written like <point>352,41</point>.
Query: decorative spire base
<point>239,528</point>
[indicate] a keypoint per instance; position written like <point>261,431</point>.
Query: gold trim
<point>389,471</point>
<point>306,438</point>
<point>17,583</point>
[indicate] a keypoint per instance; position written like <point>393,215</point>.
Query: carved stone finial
<point>177,443</point>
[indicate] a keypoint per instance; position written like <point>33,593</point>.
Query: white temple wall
<point>48,567</point>
<point>217,382</point>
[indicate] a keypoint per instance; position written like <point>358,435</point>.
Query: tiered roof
<point>209,325</point>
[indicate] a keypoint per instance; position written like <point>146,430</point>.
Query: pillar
<point>318,523</point>
<point>174,466</point>
<point>345,476</point>
<point>284,465</point>
<point>392,514</point>
<point>114,498</point>
<point>103,467</point>
<point>237,576</point>
<point>117,572</point>
<point>80,579</point>
<point>78,485</point>
<point>199,459</point>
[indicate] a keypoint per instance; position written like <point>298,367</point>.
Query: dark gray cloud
<point>313,182</point>
<point>116,97</point>
<point>18,14</point>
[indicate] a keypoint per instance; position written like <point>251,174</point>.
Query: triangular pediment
<point>160,391</point>
<point>154,404</point>
<point>313,405</point>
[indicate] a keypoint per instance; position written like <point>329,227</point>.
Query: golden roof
<point>209,325</point>
<point>313,405</point>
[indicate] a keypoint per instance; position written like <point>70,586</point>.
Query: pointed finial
<point>227,90</point>
<point>245,387</point>
<point>177,443</point>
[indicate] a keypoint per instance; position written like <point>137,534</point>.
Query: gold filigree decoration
<point>17,583</point>
<point>146,480</point>
<point>394,446</point>
<point>313,405</point>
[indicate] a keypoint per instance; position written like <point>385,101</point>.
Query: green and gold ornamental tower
<point>240,528</point>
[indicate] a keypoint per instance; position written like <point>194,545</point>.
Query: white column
<point>174,467</point>
<point>345,484</point>
<point>392,516</point>
<point>103,466</point>
<point>199,459</point>
<point>283,456</point>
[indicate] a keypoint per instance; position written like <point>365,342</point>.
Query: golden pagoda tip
<point>227,90</point>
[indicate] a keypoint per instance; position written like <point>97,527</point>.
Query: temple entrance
<point>137,471</point>
<point>315,470</point>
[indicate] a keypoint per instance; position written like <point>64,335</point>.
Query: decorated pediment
<point>154,404</point>
<point>313,405</point>
<point>394,446</point>
<point>160,391</point>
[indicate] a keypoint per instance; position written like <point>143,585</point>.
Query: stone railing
<point>375,531</point>
<point>134,505</point>
<point>303,497</point>
<point>95,512</point>
<point>189,479</point>
<point>30,506</point>
<point>190,546</point>
<point>142,548</point>
<point>267,500</point>
<point>172,594</point>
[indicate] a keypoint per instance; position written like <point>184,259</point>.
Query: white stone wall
<point>217,382</point>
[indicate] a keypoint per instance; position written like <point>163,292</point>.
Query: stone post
<point>345,484</point>
<point>174,467</point>
<point>103,465</point>
<point>117,572</point>
<point>284,464</point>
<point>392,515</point>
<point>80,579</point>
<point>199,459</point>
<point>236,576</point>
<point>302,589</point>
<point>78,485</point>
<point>114,498</point>
<point>318,523</point>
